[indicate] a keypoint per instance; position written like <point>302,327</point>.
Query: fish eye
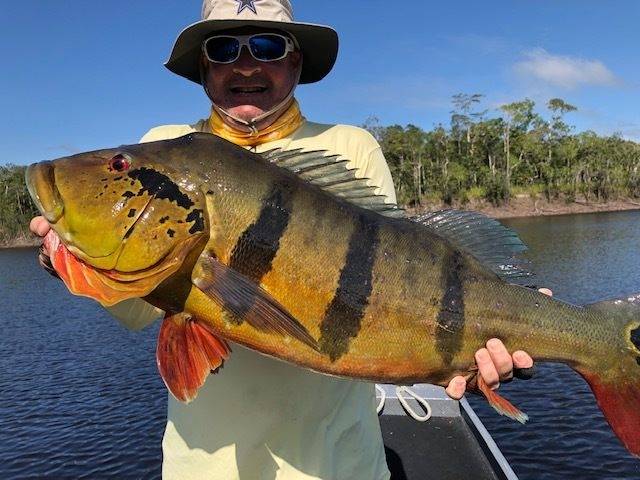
<point>119,163</point>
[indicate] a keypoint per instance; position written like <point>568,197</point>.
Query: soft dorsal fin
<point>490,242</point>
<point>332,175</point>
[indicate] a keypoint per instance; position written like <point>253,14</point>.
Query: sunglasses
<point>265,47</point>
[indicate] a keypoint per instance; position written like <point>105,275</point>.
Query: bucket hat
<point>318,43</point>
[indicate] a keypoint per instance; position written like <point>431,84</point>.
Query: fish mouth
<point>40,180</point>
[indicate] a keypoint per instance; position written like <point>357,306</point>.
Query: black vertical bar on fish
<point>450,320</point>
<point>258,245</point>
<point>345,312</point>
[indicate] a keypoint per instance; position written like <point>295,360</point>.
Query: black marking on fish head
<point>160,195</point>
<point>160,186</point>
<point>197,218</point>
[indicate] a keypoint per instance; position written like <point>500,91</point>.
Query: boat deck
<point>452,445</point>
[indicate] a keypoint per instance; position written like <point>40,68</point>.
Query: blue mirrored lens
<point>267,47</point>
<point>222,49</point>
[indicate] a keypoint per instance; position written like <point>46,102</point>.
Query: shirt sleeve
<point>377,170</point>
<point>135,313</point>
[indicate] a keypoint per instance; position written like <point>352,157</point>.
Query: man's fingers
<point>39,226</point>
<point>522,359</point>
<point>487,369</point>
<point>501,359</point>
<point>456,387</point>
<point>546,291</point>
<point>45,262</point>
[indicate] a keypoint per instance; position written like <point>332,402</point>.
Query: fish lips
<point>40,180</point>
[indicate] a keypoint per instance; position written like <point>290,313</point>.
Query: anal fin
<point>498,402</point>
<point>187,351</point>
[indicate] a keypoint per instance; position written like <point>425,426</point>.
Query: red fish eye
<point>119,163</point>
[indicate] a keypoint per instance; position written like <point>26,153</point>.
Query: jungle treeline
<point>517,149</point>
<point>479,156</point>
<point>16,206</point>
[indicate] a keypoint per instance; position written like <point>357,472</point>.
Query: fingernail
<point>521,357</point>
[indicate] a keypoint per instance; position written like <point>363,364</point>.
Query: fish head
<point>130,214</point>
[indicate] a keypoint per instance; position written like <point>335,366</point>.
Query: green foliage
<point>476,156</point>
<point>497,190</point>
<point>16,206</point>
<point>481,157</point>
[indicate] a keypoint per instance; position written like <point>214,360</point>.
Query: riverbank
<point>519,206</point>
<point>22,241</point>
<point>526,206</point>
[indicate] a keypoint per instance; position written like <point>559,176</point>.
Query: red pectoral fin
<point>187,352</point>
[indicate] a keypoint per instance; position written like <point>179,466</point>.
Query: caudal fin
<point>615,381</point>
<point>620,403</point>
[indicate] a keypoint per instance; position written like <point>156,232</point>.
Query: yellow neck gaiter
<point>284,125</point>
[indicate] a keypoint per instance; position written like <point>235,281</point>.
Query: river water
<point>80,396</point>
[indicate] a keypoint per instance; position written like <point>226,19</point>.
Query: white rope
<point>412,413</point>
<point>383,397</point>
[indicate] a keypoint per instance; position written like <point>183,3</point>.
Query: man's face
<point>248,87</point>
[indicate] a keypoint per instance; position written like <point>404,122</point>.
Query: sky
<point>78,75</point>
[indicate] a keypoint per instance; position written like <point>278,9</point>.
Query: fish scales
<point>398,273</point>
<point>231,245</point>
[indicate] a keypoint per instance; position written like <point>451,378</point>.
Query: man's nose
<point>246,65</point>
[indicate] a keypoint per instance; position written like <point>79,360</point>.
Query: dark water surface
<point>583,259</point>
<point>81,396</point>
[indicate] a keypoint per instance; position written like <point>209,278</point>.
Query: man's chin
<point>245,112</point>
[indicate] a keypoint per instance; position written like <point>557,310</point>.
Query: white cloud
<point>563,70</point>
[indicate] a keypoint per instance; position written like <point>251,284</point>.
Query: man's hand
<point>39,226</point>
<point>495,364</point>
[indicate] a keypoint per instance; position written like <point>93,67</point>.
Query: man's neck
<point>249,126</point>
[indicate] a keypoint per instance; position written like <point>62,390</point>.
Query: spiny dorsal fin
<point>490,242</point>
<point>331,174</point>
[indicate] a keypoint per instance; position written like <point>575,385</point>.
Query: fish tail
<point>615,381</point>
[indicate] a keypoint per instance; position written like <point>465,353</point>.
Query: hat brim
<point>318,44</point>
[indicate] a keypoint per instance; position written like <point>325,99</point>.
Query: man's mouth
<point>248,90</point>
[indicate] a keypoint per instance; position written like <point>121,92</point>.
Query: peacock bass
<point>288,253</point>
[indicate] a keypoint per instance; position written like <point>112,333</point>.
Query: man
<point>258,417</point>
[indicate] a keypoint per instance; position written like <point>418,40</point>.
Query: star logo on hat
<point>242,4</point>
